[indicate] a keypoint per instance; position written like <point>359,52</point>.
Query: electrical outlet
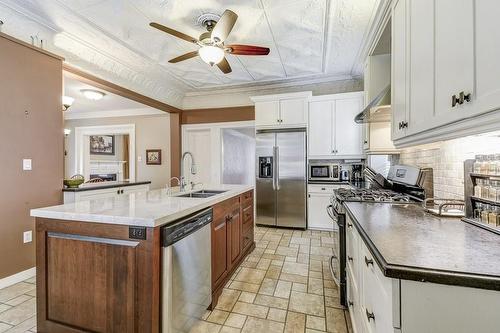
<point>139,158</point>
<point>27,236</point>
<point>27,164</point>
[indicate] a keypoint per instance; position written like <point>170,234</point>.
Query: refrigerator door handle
<point>274,167</point>
<point>277,168</point>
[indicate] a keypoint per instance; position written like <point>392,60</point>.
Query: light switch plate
<point>27,236</point>
<point>139,158</point>
<point>27,164</point>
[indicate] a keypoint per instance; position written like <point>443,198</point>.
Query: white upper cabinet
<point>348,134</point>
<point>445,69</point>
<point>293,111</point>
<point>332,131</point>
<point>280,111</point>
<point>399,69</point>
<point>267,113</point>
<point>321,128</point>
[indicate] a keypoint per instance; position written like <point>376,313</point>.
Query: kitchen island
<point>99,261</point>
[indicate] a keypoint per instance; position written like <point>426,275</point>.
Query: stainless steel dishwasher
<point>186,271</point>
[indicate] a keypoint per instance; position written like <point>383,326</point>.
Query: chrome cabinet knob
<point>368,261</point>
<point>370,315</point>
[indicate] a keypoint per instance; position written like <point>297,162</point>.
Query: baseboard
<point>18,277</point>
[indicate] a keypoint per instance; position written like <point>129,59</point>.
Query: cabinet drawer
<point>352,249</point>
<point>247,198</point>
<point>247,213</point>
<point>377,295</point>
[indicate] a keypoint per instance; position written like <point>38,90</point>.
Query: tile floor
<point>283,286</point>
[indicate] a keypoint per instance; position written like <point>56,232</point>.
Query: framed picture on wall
<point>153,156</point>
<point>102,144</point>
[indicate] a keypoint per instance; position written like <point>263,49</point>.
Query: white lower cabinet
<point>76,196</point>
<point>318,199</point>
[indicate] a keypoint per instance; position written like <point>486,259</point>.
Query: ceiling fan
<point>212,49</point>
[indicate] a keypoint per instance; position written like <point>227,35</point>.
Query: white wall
<point>152,132</point>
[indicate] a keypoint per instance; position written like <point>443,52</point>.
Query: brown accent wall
<point>175,145</point>
<point>31,126</point>
<point>218,115</point>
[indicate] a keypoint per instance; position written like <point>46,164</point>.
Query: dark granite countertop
<point>410,244</point>
<point>103,185</point>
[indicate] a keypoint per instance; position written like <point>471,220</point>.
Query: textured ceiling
<point>309,39</point>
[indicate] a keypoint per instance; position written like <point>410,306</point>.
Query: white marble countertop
<point>147,209</point>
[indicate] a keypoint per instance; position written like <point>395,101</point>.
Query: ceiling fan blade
<point>239,49</point>
<point>183,57</point>
<point>224,66</point>
<point>173,32</point>
<point>224,26</point>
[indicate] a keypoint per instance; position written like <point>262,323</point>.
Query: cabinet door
<point>421,34</point>
<point>348,134</point>
<point>454,57</point>
<point>293,111</point>
<point>487,35</point>
<point>219,249</point>
<point>399,68</point>
<point>135,189</point>
<point>97,194</point>
<point>267,113</point>
<point>320,128</point>
<point>317,216</point>
<point>235,233</point>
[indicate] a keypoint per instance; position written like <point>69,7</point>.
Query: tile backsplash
<point>447,160</point>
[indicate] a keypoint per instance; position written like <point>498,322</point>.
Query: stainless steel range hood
<point>379,109</point>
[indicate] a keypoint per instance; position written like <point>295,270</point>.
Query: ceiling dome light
<point>93,95</point>
<point>67,101</point>
<point>211,54</point>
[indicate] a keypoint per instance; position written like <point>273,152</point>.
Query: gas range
<point>369,195</point>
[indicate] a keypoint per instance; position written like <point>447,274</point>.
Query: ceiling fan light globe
<point>211,54</point>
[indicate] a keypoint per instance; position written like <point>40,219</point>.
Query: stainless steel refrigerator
<point>281,178</point>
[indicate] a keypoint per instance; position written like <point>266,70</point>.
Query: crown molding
<point>69,115</point>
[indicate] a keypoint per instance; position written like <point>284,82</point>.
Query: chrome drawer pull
<point>370,315</point>
<point>368,261</point>
<point>349,225</point>
<point>349,258</point>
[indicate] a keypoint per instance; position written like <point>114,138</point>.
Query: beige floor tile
<point>20,313</point>
<point>18,300</point>
<point>299,287</point>
<point>310,330</point>
<point>348,321</point>
<point>277,315</point>
<point>295,322</point>
<point>29,324</point>
<point>255,325</point>
<point>31,280</point>
<point>263,264</point>
<point>293,278</point>
<point>228,329</point>
<point>287,251</point>
<point>307,303</point>
<point>300,240</point>
<point>15,291</point>
<point>315,286</point>
<point>243,286</point>
<point>315,265</point>
<point>283,289</point>
<point>4,307</point>
<point>236,320</point>
<point>268,286</point>
<point>295,268</point>
<point>218,316</point>
<point>227,300</point>
<point>205,327</point>
<point>274,272</point>
<point>4,327</point>
<point>253,310</point>
<point>332,302</point>
<point>250,275</point>
<point>247,297</point>
<point>335,321</point>
<point>271,301</point>
<point>316,323</point>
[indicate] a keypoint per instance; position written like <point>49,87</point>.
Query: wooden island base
<point>94,277</point>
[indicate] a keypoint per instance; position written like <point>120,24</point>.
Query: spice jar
<point>485,189</point>
<point>493,190</point>
<point>478,188</point>
<point>493,216</point>
<point>492,165</point>
<point>478,163</point>
<point>485,213</point>
<point>477,211</point>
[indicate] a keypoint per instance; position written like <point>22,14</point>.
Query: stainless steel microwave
<point>327,172</point>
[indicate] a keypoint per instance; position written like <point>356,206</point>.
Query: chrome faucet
<point>193,169</point>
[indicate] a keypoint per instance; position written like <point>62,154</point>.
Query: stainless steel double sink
<point>200,194</point>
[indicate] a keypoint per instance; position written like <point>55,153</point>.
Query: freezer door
<point>265,194</point>
<point>291,179</point>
